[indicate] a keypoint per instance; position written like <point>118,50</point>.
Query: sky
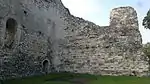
<point>98,11</point>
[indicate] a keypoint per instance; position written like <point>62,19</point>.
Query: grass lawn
<point>68,78</point>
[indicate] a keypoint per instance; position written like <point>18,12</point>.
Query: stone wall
<point>41,36</point>
<point>108,50</point>
<point>29,44</point>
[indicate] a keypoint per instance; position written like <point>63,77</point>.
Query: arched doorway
<point>45,65</point>
<point>11,29</point>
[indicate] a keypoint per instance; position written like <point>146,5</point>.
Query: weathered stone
<point>43,37</point>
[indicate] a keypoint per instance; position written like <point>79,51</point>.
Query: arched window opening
<point>11,28</point>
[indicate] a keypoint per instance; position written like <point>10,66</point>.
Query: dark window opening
<point>11,28</point>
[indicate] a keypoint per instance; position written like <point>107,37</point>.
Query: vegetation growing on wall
<point>146,50</point>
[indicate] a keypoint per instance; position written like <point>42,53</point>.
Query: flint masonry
<point>41,36</point>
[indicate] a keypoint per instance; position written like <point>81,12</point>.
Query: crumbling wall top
<point>123,16</point>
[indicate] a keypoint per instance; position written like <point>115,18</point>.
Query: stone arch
<point>45,66</point>
<point>11,29</point>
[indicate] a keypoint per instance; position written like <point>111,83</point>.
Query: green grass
<point>68,78</point>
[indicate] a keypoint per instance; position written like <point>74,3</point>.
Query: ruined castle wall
<point>44,37</point>
<point>38,29</point>
<point>108,50</point>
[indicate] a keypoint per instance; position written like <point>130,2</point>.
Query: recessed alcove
<point>45,67</point>
<point>11,29</point>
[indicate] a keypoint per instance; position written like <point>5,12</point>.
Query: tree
<point>146,50</point>
<point>146,21</point>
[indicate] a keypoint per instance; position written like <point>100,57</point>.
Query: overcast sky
<point>98,11</point>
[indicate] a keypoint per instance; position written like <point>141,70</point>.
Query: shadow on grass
<point>54,78</point>
<point>73,78</point>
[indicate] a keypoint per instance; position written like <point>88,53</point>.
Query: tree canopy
<point>146,21</point>
<point>146,50</point>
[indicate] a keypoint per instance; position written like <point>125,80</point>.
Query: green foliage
<point>146,50</point>
<point>70,78</point>
<point>146,20</point>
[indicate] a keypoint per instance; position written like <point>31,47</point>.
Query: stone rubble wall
<point>39,31</point>
<point>108,50</point>
<point>47,32</point>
